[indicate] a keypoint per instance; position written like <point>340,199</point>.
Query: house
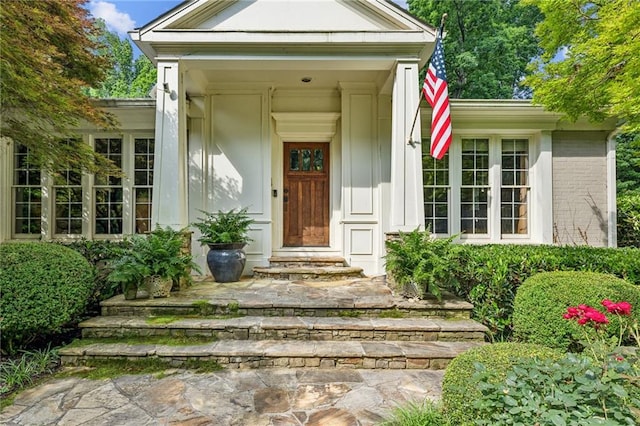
<point>301,111</point>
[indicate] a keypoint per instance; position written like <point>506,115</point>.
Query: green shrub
<point>488,276</point>
<point>573,390</point>
<point>542,300</point>
<point>44,287</point>
<point>416,259</point>
<point>629,220</point>
<point>99,253</point>
<point>460,391</point>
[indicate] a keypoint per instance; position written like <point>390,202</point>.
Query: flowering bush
<point>588,316</point>
<point>543,299</point>
<point>598,387</point>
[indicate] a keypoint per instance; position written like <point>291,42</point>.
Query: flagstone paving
<point>341,371</point>
<point>282,397</point>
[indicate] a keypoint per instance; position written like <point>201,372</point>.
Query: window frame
<point>88,187</point>
<point>495,186</point>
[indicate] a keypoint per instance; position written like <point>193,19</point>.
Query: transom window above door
<point>306,160</point>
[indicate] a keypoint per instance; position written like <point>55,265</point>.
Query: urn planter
<point>226,261</point>
<point>226,233</point>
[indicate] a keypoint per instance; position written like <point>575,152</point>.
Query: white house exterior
<point>300,111</point>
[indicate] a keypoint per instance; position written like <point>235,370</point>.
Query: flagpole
<point>415,117</point>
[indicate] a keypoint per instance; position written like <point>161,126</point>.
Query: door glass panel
<point>294,159</point>
<point>306,160</point>
<point>318,160</point>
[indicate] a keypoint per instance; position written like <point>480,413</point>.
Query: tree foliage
<point>628,163</point>
<point>48,57</point>
<point>590,65</point>
<point>128,77</point>
<point>488,44</point>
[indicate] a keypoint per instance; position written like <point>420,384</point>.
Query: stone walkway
<point>282,397</point>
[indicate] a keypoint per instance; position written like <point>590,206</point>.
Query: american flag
<point>436,93</point>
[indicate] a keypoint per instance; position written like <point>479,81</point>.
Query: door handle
<point>285,199</point>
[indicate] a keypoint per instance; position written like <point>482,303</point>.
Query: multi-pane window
<point>514,188</point>
<point>306,160</point>
<point>436,193</point>
<point>143,183</point>
<point>67,193</point>
<point>474,189</point>
<point>108,191</point>
<point>68,203</point>
<point>480,189</point>
<point>27,193</point>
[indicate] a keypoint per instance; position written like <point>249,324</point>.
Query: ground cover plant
<point>415,414</point>
<point>460,389</point>
<point>600,386</point>
<point>21,371</point>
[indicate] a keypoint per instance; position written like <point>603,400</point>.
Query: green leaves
<point>573,390</point>
<point>159,253</point>
<point>48,57</point>
<point>224,227</point>
<point>417,259</point>
<point>488,44</point>
<point>590,65</point>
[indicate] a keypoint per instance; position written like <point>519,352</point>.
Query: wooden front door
<point>306,194</point>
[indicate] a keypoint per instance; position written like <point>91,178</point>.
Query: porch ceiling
<point>201,80</point>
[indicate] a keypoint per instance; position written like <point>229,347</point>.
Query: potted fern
<point>226,234</point>
<point>154,261</point>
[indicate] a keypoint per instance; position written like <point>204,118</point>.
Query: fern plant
<point>158,253</point>
<point>224,227</point>
<point>415,258</point>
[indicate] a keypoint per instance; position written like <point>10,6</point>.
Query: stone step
<point>278,353</point>
<point>288,328</point>
<point>307,273</point>
<point>282,305</point>
<point>305,261</point>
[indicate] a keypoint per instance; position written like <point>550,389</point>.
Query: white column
<point>6,188</point>
<point>542,191</point>
<point>407,207</point>
<point>169,206</point>
<point>612,209</point>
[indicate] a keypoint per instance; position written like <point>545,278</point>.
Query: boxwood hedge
<point>542,300</point>
<point>44,287</point>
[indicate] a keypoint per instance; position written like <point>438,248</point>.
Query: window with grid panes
<point>436,193</point>
<point>474,187</point>
<point>67,196</point>
<point>514,191</point>
<point>143,183</point>
<point>27,194</point>
<point>108,190</point>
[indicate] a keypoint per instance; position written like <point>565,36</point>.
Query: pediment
<point>287,16</point>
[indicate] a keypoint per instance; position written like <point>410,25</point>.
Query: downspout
<point>612,227</point>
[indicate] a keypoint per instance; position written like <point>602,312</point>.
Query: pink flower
<point>595,316</point>
<point>572,312</point>
<point>585,314</point>
<point>620,308</point>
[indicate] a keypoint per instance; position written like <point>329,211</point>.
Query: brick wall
<point>580,188</point>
